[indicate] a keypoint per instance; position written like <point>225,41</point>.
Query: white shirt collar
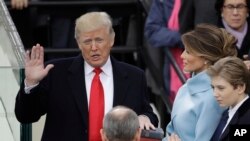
<point>232,111</point>
<point>106,68</point>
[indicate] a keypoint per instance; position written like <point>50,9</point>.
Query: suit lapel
<point>232,122</point>
<point>235,119</point>
<point>76,80</point>
<point>120,82</point>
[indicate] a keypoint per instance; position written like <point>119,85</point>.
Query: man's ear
<point>241,88</point>
<point>103,135</point>
<point>138,135</point>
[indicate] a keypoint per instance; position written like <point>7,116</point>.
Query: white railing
<point>11,63</point>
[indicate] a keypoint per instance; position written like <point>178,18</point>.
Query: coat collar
<point>120,81</point>
<point>202,80</point>
<point>76,81</point>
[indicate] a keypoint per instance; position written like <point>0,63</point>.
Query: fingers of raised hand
<point>27,56</point>
<point>35,56</point>
<point>37,52</point>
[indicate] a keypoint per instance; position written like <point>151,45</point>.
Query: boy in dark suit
<point>231,84</point>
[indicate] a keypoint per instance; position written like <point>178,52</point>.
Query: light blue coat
<point>196,113</point>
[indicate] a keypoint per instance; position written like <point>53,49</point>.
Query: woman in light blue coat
<point>195,112</point>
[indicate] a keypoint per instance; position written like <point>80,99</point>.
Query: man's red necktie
<point>96,107</point>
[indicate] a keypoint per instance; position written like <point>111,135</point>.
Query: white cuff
<point>28,88</point>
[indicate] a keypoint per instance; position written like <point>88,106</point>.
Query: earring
<point>222,15</point>
<point>205,62</point>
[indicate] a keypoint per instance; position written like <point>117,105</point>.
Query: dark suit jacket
<point>242,116</point>
<point>62,96</point>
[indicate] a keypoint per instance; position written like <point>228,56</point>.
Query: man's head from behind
<point>121,124</point>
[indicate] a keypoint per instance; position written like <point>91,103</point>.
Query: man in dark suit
<point>62,88</point>
<point>230,81</point>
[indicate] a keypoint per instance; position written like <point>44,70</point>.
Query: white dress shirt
<point>106,77</point>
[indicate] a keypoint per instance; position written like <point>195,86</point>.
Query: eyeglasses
<point>231,7</point>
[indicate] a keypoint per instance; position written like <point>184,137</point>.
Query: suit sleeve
<point>30,107</point>
<point>148,111</point>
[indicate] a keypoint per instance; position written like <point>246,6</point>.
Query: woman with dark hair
<point>196,114</point>
<point>231,84</point>
<point>233,15</point>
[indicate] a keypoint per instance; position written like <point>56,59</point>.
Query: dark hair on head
<point>220,3</point>
<point>210,42</point>
<point>233,70</point>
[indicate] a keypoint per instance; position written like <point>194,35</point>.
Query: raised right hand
<point>34,65</point>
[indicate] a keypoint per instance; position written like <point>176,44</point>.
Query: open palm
<point>34,65</point>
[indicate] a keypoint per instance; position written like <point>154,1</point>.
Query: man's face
<point>95,46</point>
<point>235,13</point>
